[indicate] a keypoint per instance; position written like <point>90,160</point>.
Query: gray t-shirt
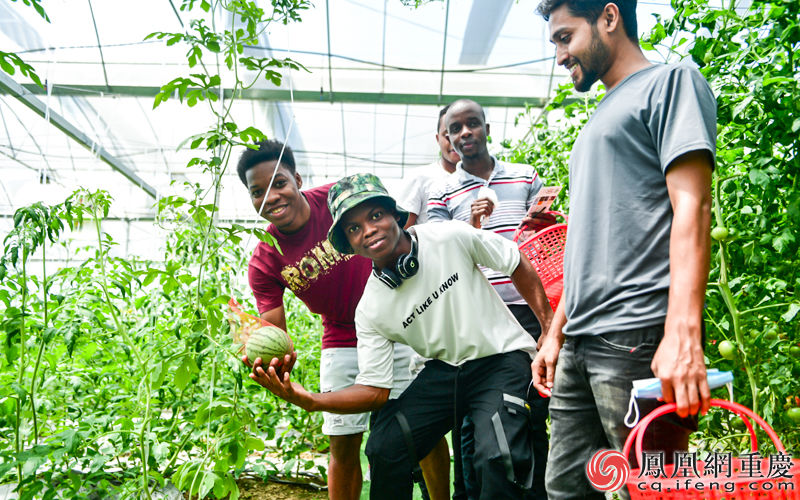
<point>616,264</point>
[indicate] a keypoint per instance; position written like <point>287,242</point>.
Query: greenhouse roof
<point>377,74</point>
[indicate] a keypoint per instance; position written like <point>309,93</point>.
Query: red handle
<point>638,432</point>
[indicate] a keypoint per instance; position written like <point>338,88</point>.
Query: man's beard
<point>597,63</point>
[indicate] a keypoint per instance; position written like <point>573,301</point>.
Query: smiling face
<point>467,129</point>
<point>373,232</point>
<point>579,48</point>
<point>285,207</point>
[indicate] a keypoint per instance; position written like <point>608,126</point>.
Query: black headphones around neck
<point>406,266</point>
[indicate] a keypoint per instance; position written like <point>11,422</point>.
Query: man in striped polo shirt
<point>463,196</point>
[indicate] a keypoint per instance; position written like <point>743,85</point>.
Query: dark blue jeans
<point>591,391</point>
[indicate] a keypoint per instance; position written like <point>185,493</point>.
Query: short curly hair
<point>268,150</point>
<point>591,10</point>
<point>442,112</point>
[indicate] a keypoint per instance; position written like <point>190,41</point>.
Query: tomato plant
<point>119,374</point>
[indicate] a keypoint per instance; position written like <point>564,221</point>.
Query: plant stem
<point>730,302</point>
<point>142,445</point>
<point>22,349</point>
<point>134,349</point>
<point>760,308</point>
<point>200,467</point>
<point>17,442</point>
<point>104,285</point>
<point>217,187</point>
<point>177,451</point>
<point>211,401</point>
<point>42,340</point>
<point>302,438</point>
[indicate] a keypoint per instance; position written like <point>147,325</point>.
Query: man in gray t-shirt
<point>636,262</point>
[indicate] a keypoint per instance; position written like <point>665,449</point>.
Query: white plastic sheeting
<point>358,52</point>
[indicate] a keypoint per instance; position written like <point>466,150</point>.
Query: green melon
<point>268,342</point>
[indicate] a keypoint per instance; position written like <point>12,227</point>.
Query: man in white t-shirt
<point>414,194</point>
<point>426,291</point>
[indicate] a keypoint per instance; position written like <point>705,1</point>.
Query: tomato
<point>738,424</point>
<point>727,349</point>
<point>719,233</point>
<point>794,414</point>
<point>771,334</point>
<point>794,351</point>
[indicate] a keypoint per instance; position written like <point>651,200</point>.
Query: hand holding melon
<point>268,342</point>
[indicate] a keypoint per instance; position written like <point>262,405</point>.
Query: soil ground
<point>256,489</point>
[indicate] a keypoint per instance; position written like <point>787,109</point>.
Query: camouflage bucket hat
<point>350,192</point>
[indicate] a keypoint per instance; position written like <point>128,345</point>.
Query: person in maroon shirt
<point>330,284</point>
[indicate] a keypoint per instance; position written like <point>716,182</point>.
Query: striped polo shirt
<point>516,185</point>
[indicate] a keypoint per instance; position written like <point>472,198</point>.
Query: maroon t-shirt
<point>328,282</point>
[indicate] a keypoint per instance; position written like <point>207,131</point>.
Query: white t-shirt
<point>414,193</point>
<point>448,311</point>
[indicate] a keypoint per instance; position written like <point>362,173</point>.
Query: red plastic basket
<point>545,250</point>
<point>740,485</point>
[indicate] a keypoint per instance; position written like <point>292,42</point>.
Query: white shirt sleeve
<point>375,356</point>
<point>489,249</point>
<point>436,204</point>
<point>413,196</point>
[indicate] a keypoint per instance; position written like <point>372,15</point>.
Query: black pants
<point>492,392</point>
<point>464,479</point>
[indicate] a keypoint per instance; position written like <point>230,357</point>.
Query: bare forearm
<point>275,316</point>
<point>354,399</point>
<point>556,330</point>
<point>530,287</point>
<point>689,257</point>
<point>689,186</point>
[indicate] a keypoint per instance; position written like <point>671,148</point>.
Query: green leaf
<point>186,278</point>
<point>151,276</point>
<point>254,443</point>
<point>21,392</point>
<point>783,241</point>
<point>209,478</point>
<point>758,177</point>
<point>159,373</point>
<point>161,452</point>
<point>184,372</point>
<point>32,464</point>
<point>789,315</point>
<point>5,467</point>
<point>221,488</point>
<point>5,66</point>
<point>98,462</point>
